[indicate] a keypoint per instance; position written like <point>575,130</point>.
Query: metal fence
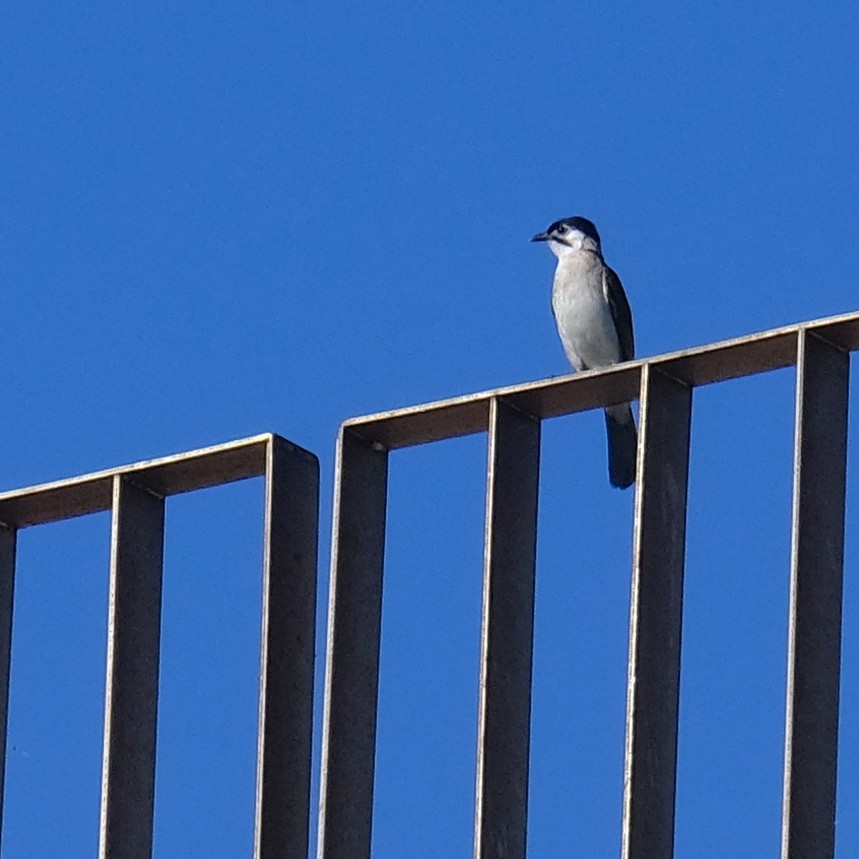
<point>135,494</point>
<point>512,417</point>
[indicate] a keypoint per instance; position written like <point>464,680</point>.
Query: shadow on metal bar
<point>136,496</point>
<point>511,417</point>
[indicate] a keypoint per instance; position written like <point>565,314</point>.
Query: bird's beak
<point>541,237</point>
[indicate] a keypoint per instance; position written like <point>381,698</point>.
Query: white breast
<point>582,313</point>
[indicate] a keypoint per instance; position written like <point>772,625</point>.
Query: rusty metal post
<point>7,589</point>
<point>286,658</point>
<point>817,562</point>
<point>656,615</point>
<point>131,694</point>
<point>352,665</point>
<point>504,720</point>
<point>136,494</point>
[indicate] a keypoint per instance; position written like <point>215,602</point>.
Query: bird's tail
<point>622,445</point>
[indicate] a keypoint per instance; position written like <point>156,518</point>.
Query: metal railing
<point>136,494</point>
<point>512,417</point>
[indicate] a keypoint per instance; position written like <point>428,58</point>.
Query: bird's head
<point>569,235</point>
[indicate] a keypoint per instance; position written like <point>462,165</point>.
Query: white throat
<point>575,243</point>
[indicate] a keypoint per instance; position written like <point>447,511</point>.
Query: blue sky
<point>217,220</point>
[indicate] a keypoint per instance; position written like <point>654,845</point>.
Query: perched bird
<point>595,325</point>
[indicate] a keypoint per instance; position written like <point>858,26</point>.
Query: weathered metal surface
<point>7,590</point>
<point>548,398</point>
<point>504,720</point>
<point>170,475</point>
<point>131,693</point>
<point>666,382</point>
<point>656,614</point>
<point>512,417</point>
<point>352,665</point>
<point>286,658</point>
<point>817,561</point>
<point>136,495</point>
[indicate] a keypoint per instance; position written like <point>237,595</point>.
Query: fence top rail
<point>168,475</point>
<point>563,395</point>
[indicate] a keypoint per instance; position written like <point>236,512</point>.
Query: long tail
<point>622,445</point>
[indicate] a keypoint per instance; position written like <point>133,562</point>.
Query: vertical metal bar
<point>7,589</point>
<point>817,560</point>
<point>131,694</point>
<point>352,665</point>
<point>286,658</point>
<point>656,615</point>
<point>504,726</point>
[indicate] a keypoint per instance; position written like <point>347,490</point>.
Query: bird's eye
<point>562,228</point>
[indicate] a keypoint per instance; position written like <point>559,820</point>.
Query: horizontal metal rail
<point>136,495</point>
<point>511,416</point>
<point>564,395</point>
<point>169,475</point>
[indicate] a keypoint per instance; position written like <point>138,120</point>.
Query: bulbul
<point>595,325</point>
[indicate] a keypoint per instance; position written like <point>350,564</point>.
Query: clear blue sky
<point>219,219</point>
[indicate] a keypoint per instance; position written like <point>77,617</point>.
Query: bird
<point>595,326</point>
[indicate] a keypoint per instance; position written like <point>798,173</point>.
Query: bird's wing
<point>620,312</point>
